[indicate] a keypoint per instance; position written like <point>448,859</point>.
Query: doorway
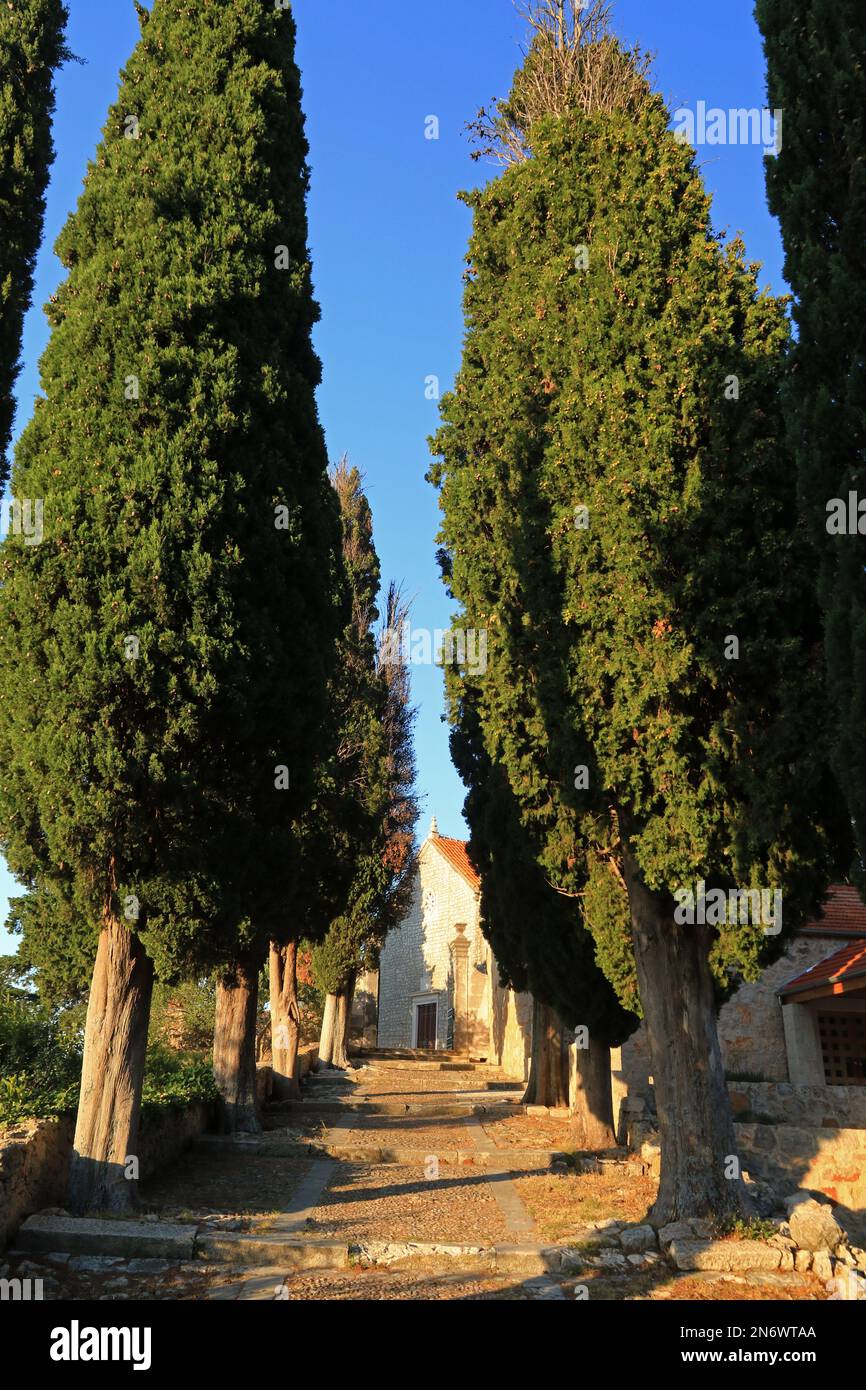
<point>426,1019</point>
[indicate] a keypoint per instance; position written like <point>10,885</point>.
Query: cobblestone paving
<point>523,1132</point>
<point>227,1190</point>
<point>389,1284</point>
<point>112,1279</point>
<point>430,1136</point>
<point>390,1202</point>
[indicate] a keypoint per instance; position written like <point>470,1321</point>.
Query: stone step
<point>293,1252</point>
<point>431,1109</point>
<point>504,1160</point>
<point>79,1235</point>
<point>259,1147</point>
<point>492,1160</point>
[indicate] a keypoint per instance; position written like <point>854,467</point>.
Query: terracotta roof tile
<point>455,852</point>
<point>844,913</point>
<point>838,969</point>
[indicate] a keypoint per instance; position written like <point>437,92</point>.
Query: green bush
<point>176,1078</point>
<point>40,1063</point>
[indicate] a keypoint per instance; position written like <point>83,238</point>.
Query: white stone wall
<point>415,963</point>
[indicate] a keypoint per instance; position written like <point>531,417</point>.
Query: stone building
<point>438,985</point>
<point>803,1023</point>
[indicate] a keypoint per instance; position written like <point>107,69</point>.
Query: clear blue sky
<point>388,236</point>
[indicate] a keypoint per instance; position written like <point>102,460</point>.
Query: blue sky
<point>388,236</point>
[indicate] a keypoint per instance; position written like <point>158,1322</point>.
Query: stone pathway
<point>394,1181</point>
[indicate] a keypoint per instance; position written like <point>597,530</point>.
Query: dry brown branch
<point>572,63</point>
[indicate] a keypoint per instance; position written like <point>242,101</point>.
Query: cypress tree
<point>378,772</point>
<point>816,72</point>
<point>620,517</point>
<point>540,940</point>
<point>179,616</point>
<point>32,48</point>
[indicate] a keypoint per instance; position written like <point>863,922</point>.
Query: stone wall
<point>814,1107</point>
<point>416,958</point>
<point>35,1156</point>
<point>34,1166</point>
<point>832,1161</point>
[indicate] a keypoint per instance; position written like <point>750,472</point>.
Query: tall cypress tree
<point>620,517</point>
<point>540,939</point>
<point>378,772</point>
<point>179,616</point>
<point>32,48</point>
<point>816,72</point>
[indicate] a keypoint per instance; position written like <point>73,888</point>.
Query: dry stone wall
<point>35,1155</point>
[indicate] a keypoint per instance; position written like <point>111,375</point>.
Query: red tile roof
<point>844,913</point>
<point>835,972</point>
<point>455,852</point>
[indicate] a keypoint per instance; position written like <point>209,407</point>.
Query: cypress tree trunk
<point>326,1037</point>
<point>234,1048</point>
<point>115,1042</point>
<point>590,1097</point>
<point>285,1021</point>
<point>535,1052</point>
<point>548,1070</point>
<point>694,1111</point>
<point>342,1014</point>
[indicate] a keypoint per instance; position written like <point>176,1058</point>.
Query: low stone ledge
<point>94,1236</point>
<point>291,1252</point>
<point>725,1256</point>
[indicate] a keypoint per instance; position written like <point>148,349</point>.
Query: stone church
<point>438,984</point>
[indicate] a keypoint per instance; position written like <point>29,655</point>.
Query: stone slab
<point>95,1236</point>
<point>277,1250</point>
<point>729,1256</point>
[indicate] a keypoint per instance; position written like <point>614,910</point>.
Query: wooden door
<point>425,1027</point>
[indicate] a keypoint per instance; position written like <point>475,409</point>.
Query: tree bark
<point>285,1021</point>
<point>548,1067</point>
<point>115,1043</point>
<point>590,1097</point>
<point>342,1015</point>
<point>234,1048</point>
<point>699,1166</point>
<point>326,1037</point>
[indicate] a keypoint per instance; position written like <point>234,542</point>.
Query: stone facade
<point>438,955</point>
<point>752,1028</point>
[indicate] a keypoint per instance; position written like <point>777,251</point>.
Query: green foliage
<point>182,1016</point>
<point>539,937</point>
<point>175,1079</point>
<point>179,454</point>
<point>599,381</point>
<point>746,1228</point>
<point>57,944</point>
<point>39,1064</point>
<point>816,72</point>
<point>31,49</point>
